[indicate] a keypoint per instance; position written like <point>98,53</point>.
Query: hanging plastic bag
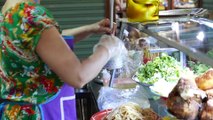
<point>110,98</point>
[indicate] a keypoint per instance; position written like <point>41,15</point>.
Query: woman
<point>36,62</point>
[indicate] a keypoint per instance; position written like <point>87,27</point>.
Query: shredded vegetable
<point>198,67</point>
<point>163,67</point>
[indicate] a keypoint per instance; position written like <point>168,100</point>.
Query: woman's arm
<point>87,30</point>
<point>57,55</point>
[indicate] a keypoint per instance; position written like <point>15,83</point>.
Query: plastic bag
<point>110,98</point>
<point>131,63</point>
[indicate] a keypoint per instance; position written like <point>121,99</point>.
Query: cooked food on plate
<point>162,74</point>
<point>149,114</point>
<point>164,67</point>
<point>131,111</point>
<point>193,99</point>
<point>185,100</point>
<point>207,111</point>
<point>205,81</point>
<point>209,93</point>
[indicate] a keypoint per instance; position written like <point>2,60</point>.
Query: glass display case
<point>185,3</point>
<point>188,40</point>
<point>192,37</point>
<point>184,34</point>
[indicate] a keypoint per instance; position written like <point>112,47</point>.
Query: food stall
<point>174,53</point>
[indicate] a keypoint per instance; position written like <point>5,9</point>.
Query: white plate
<point>160,88</point>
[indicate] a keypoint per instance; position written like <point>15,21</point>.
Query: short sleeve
<point>35,20</point>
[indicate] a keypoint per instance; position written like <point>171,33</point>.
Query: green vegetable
<point>198,67</point>
<point>164,67</point>
<point>210,53</point>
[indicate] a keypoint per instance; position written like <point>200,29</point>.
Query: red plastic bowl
<point>100,115</point>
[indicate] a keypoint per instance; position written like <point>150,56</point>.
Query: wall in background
<point>208,4</point>
<point>74,13</point>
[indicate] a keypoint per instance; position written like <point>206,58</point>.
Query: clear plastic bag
<point>131,63</point>
<point>110,98</point>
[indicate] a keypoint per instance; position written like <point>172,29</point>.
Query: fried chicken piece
<point>205,81</point>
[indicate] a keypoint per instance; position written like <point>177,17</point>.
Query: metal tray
<point>181,12</point>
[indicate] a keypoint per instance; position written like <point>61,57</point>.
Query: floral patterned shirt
<point>24,77</point>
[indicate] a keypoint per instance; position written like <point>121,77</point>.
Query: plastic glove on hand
<point>114,45</point>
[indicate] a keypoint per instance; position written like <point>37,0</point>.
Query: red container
<point>101,115</point>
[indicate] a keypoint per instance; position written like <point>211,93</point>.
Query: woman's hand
<point>80,33</point>
<point>103,26</point>
<point>113,44</point>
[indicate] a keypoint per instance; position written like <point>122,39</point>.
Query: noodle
<point>132,111</point>
<point>129,111</point>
